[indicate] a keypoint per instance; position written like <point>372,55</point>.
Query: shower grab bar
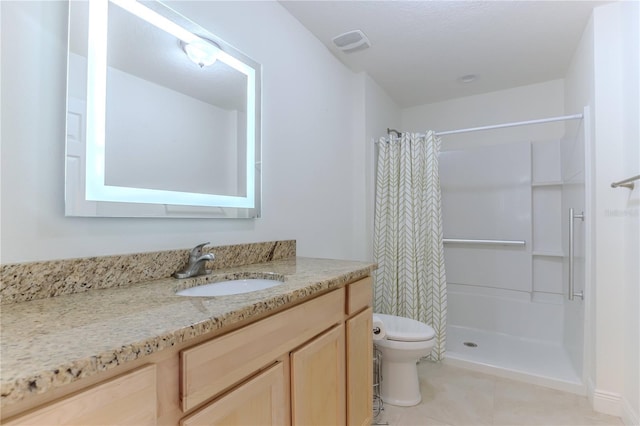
<point>572,217</point>
<point>627,183</point>
<point>491,242</point>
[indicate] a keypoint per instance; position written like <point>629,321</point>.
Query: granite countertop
<point>52,342</point>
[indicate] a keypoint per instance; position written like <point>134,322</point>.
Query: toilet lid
<point>405,329</point>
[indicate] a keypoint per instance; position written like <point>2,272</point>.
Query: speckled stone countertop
<point>52,342</point>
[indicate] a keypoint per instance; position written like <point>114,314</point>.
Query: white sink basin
<point>226,288</point>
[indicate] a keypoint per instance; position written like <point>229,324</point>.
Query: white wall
<point>311,121</point>
<point>617,250</point>
<point>381,112</point>
<point>605,74</point>
<point>630,17</point>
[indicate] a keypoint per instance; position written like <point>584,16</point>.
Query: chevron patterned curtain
<point>410,280</point>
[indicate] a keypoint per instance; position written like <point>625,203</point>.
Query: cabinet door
<point>259,401</point>
<point>129,399</point>
<point>360,369</point>
<point>318,380</point>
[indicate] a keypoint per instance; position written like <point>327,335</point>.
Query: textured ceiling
<point>420,49</point>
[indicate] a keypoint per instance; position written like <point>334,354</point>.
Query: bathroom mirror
<point>163,117</point>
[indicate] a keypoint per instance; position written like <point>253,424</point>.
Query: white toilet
<point>406,341</point>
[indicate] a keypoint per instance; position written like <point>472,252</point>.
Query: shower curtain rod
<point>500,126</point>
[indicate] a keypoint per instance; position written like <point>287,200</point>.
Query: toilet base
<point>400,385</point>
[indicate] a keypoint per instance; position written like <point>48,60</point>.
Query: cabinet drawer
<point>212,367</point>
<point>359,295</point>
<point>129,399</point>
<point>259,401</point>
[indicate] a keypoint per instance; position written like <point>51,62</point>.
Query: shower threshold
<point>536,362</point>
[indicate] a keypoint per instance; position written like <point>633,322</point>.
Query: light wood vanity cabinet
<point>324,347</point>
<point>306,365</point>
<point>129,399</point>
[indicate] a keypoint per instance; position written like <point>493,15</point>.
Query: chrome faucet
<point>197,263</point>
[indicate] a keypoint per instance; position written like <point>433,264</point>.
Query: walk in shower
<point>507,243</point>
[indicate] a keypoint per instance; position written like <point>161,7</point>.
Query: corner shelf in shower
<point>547,183</point>
<point>544,253</point>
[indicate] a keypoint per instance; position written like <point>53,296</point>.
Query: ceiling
<point>420,49</point>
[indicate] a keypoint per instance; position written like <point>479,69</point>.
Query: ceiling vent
<point>352,41</point>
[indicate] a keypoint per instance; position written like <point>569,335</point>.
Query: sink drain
<point>470,344</point>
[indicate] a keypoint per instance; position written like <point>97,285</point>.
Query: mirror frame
<point>100,199</point>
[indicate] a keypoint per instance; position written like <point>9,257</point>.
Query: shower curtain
<point>410,280</point>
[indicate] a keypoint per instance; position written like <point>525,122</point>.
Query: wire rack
<point>378,405</point>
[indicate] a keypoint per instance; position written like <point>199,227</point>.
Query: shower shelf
<point>547,183</point>
<point>549,253</point>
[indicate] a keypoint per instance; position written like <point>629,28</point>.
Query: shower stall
<point>513,219</point>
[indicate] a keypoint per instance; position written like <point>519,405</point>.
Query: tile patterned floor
<point>454,396</point>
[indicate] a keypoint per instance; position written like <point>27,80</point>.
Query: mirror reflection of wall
<point>166,135</point>
<point>171,125</point>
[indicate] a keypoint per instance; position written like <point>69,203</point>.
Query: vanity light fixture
<point>202,52</point>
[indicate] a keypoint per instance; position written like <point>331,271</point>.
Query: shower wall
<point>486,194</point>
<point>506,192</point>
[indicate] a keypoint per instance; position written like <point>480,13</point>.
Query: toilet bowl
<point>405,342</point>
